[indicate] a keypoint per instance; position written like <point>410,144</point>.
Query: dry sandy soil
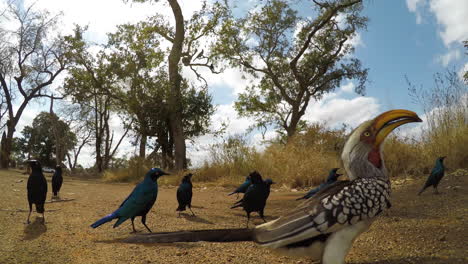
<point>425,229</point>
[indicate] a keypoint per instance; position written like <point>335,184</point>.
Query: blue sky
<point>395,46</point>
<point>416,38</point>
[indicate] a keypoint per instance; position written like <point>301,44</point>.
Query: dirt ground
<point>425,229</point>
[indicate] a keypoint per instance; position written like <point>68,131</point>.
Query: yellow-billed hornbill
<point>325,226</point>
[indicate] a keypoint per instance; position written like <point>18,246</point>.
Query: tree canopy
<point>38,141</point>
<point>32,55</point>
<point>296,59</point>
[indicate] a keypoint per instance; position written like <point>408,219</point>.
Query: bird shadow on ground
<point>425,260</point>
<point>255,216</point>
<point>196,219</point>
<point>181,245</point>
<point>35,229</point>
<point>25,211</point>
<point>61,200</point>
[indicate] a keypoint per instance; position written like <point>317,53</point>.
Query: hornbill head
<point>362,156</point>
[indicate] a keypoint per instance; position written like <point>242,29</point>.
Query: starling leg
<point>262,216</point>
<point>43,218</point>
<point>133,225</point>
<point>436,191</point>
<point>143,221</point>
<point>190,207</point>
<point>248,219</point>
<point>29,215</point>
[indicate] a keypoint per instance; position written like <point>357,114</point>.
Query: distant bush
<point>445,131</point>
<point>304,161</point>
<point>135,171</point>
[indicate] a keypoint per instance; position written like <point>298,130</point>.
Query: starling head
<point>333,176</point>
<point>35,165</point>
<point>255,177</point>
<point>362,152</point>
<point>155,173</point>
<point>187,178</point>
<point>269,181</point>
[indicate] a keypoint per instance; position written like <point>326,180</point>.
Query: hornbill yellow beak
<point>388,121</point>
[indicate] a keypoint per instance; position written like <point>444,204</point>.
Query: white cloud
<point>451,55</point>
<point>356,40</point>
<point>198,151</point>
<point>260,141</point>
<point>452,15</point>
<point>104,15</point>
<point>26,119</point>
<point>452,18</point>
<point>228,115</point>
<point>415,6</point>
<point>348,87</point>
<point>101,16</point>
<point>335,111</point>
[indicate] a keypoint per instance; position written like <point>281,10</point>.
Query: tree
<point>183,38</point>
<point>297,59</point>
<point>138,62</point>
<point>77,118</point>
<point>40,143</point>
<point>92,85</point>
<point>31,58</point>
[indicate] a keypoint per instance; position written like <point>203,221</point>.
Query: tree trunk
<point>7,145</point>
<point>143,139</point>
<point>3,152</point>
<point>291,128</point>
<point>175,81</point>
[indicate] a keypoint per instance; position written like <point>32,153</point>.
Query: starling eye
<point>366,133</point>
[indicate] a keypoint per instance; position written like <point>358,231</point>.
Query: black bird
<point>269,182</point>
<point>184,194</point>
<point>243,187</point>
<point>436,175</point>
<point>57,180</point>
<point>138,203</point>
<point>332,177</point>
<point>325,226</point>
<point>255,197</point>
<point>37,189</point>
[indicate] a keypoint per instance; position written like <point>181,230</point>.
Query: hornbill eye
<point>367,133</point>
